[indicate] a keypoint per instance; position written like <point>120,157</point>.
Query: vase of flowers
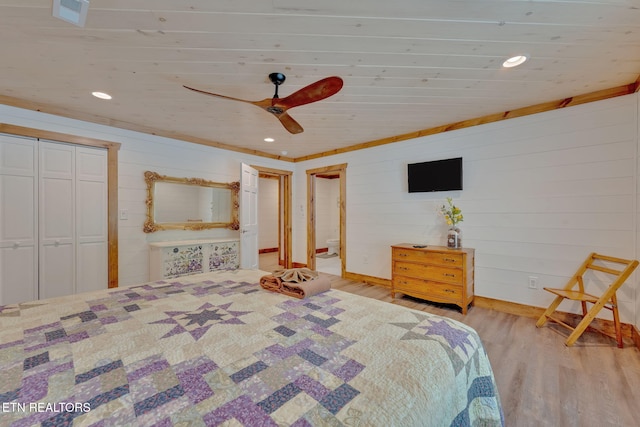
<point>453,215</point>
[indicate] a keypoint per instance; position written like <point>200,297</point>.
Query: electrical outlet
<point>365,259</point>
<point>533,282</point>
<point>124,214</point>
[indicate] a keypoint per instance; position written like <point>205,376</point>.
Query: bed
<point>217,349</point>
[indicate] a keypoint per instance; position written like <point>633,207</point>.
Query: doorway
<point>283,192</point>
<point>335,172</point>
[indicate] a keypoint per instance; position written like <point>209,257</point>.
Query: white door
<point>248,217</point>
<point>18,220</point>
<point>57,218</point>
<point>91,220</point>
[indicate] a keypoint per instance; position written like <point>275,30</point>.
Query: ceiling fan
<point>278,106</point>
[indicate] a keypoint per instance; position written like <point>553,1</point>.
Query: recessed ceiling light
<point>101,95</point>
<point>284,152</point>
<point>514,61</point>
<point>269,140</point>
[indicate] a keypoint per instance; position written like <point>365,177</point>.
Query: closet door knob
<point>56,243</point>
<point>16,245</point>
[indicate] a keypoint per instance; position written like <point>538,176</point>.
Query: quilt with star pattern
<point>218,350</point>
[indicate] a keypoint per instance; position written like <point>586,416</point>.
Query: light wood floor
<point>541,381</point>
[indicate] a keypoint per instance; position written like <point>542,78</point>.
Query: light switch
<point>124,214</point>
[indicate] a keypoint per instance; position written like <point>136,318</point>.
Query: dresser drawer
<point>429,272</point>
<point>439,258</point>
<point>434,290</point>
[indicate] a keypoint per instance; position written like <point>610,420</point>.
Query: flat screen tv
<point>436,175</point>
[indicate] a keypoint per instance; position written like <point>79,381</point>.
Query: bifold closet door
<point>92,253</point>
<point>73,219</point>
<point>18,223</point>
<point>56,220</point>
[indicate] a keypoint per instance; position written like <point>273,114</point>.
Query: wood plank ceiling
<point>407,65</point>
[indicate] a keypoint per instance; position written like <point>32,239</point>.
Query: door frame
<point>112,182</point>
<point>284,210</point>
<point>341,170</point>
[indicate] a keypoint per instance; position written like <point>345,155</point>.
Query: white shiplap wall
<point>540,193</point>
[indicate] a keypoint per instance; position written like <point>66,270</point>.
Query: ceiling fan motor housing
<point>277,78</point>
<point>274,109</point>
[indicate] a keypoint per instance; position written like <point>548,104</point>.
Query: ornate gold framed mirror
<point>190,203</point>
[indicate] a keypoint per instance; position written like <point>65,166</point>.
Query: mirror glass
<point>190,203</point>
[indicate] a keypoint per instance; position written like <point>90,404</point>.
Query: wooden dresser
<point>433,273</point>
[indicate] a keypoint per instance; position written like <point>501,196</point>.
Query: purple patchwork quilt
<point>217,349</point>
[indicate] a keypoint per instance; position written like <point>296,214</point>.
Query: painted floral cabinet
<point>174,259</point>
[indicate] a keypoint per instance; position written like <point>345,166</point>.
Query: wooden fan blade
<point>268,105</point>
<point>219,96</point>
<point>265,104</point>
<point>289,124</point>
<point>314,92</point>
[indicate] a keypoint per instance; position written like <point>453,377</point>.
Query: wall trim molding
<point>491,118</point>
<point>120,124</point>
<point>267,250</point>
<point>368,279</point>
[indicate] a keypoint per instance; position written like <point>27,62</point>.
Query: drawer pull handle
<point>404,255</point>
<point>448,274</point>
<point>449,259</point>
<point>451,291</point>
<point>403,268</point>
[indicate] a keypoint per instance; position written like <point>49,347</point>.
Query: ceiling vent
<point>73,11</point>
